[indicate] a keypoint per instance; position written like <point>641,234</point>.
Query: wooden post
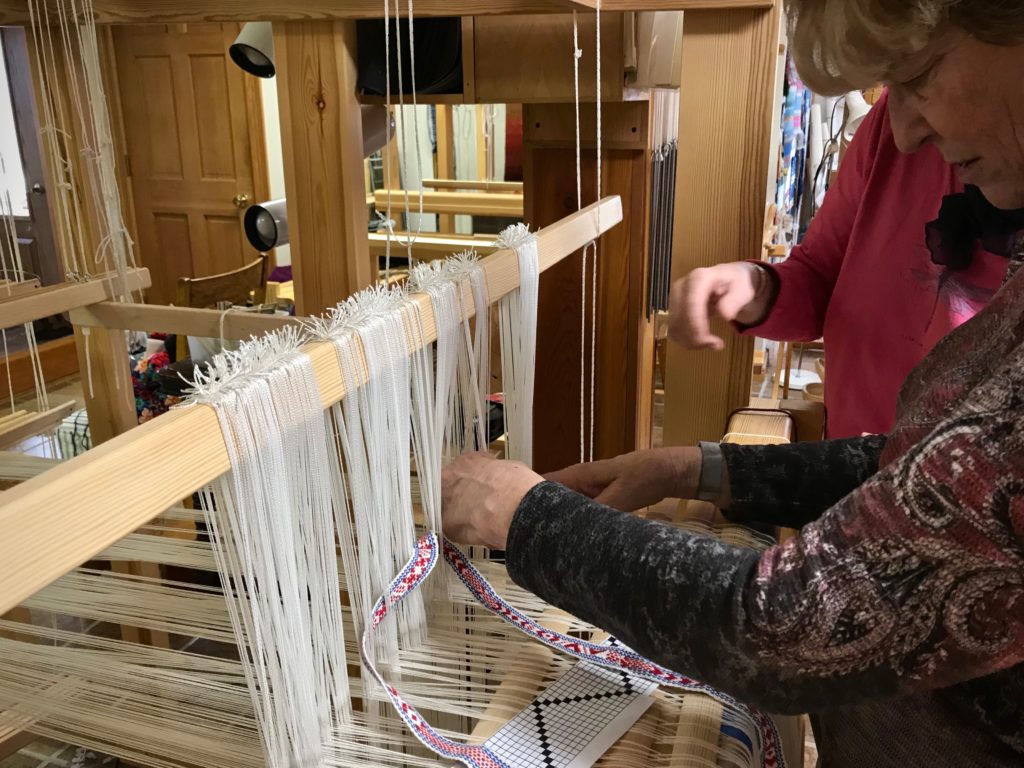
<point>624,367</point>
<point>445,159</point>
<point>110,403</point>
<point>322,143</point>
<point>725,119</point>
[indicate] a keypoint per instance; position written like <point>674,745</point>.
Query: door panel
<point>189,147</point>
<point>34,232</point>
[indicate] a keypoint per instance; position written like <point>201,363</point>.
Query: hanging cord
<point>593,294</point>
<point>576,55</point>
<point>86,335</point>
<point>590,249</point>
<point>385,153</point>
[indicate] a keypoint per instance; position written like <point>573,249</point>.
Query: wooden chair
<point>236,286</point>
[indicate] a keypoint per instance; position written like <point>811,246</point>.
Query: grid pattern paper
<point>575,721</point>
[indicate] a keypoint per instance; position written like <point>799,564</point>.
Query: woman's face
<point>969,103</point>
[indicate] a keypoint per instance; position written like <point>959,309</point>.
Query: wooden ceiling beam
<point>15,12</point>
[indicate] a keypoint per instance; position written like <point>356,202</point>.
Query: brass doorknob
<point>241,201</point>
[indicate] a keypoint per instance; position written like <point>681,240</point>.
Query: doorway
<point>196,152</point>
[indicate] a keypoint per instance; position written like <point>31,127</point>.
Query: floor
<point>43,753</point>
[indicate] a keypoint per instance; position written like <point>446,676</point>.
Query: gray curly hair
<point>840,45</point>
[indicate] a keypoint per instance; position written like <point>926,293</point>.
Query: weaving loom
<point>251,691</point>
<point>144,702</point>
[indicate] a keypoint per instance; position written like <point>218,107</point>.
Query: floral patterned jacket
<point>896,616</point>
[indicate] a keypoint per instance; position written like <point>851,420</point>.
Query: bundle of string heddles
<point>302,481</point>
<point>272,533</point>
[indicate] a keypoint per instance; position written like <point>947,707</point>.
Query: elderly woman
<point>897,615</point>
<point>900,254</point>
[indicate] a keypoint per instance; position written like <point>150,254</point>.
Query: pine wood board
<point>57,299</point>
<point>432,247</point>
<point>726,112</point>
<point>443,201</point>
<point>15,12</point>
<point>511,187</point>
<point>185,321</point>
<point>28,424</point>
<point>10,289</point>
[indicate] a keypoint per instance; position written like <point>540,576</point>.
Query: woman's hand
<point>636,480</point>
<point>741,291</point>
<point>480,495</point>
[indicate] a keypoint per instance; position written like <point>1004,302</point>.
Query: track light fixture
<point>253,49</point>
<point>266,224</point>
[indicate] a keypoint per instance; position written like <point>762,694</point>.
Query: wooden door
<point>196,153</point>
<point>23,158</point>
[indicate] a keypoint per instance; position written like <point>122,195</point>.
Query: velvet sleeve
<point>910,583</point>
<point>792,485</point>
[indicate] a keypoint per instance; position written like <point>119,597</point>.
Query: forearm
<point>857,606</point>
<point>676,597</point>
<point>792,485</point>
<point>784,485</point>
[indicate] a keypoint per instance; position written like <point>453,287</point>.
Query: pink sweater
<point>863,278</point>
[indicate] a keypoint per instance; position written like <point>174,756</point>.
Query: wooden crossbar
<point>193,11</point>
<point>56,299</point>
<point>10,289</point>
<point>15,430</point>
<point>513,187</point>
<point>432,247</point>
<point>445,201</point>
<point>54,522</point>
<point>186,321</point>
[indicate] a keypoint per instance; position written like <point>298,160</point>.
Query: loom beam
<point>15,12</point>
<point>57,299</point>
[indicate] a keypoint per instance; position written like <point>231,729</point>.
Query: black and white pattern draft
<point>575,720</point>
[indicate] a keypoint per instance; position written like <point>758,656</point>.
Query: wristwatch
<point>709,487</point>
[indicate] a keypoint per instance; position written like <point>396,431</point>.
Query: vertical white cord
<point>385,153</point>
<point>593,295</point>
<point>587,435</point>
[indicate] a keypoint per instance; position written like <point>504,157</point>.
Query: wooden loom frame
<point>99,497</point>
<point>731,56</point>
<point>105,494</point>
<point>741,31</point>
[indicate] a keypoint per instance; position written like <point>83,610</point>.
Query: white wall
<point>275,156</point>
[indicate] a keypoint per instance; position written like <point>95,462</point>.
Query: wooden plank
<point>421,98</point>
<point>725,118</point>
<point>35,424</point>
<point>672,5</point>
<point>622,400</point>
<point>183,321</point>
<point>481,142</point>
<point>430,248</point>
<point>541,69</point>
<point>468,61</point>
<point>101,496</point>
<point>15,12</point>
<point>445,160</point>
<point>322,140</point>
<point>623,126</point>
<point>511,187</point>
<point>56,357</point>
<point>469,203</point>
<point>57,299</point>
<point>11,289</point>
